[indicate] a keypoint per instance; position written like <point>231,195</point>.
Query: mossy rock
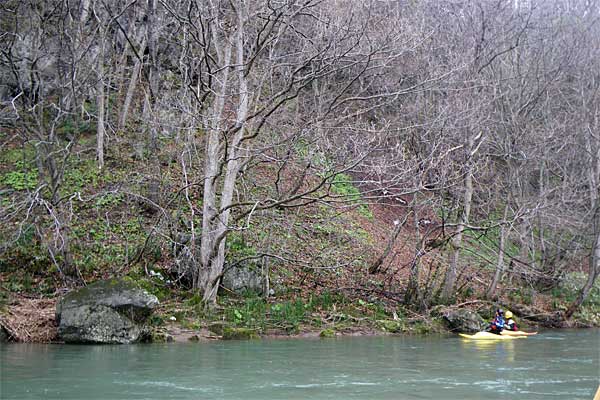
<point>230,333</point>
<point>123,295</point>
<point>161,337</point>
<point>157,289</point>
<point>420,328</point>
<point>327,333</point>
<point>462,320</point>
<point>217,328</point>
<point>390,325</point>
<point>110,311</point>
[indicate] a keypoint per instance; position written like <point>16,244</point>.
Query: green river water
<point>555,364</point>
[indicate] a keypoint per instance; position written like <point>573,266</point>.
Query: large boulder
<point>240,279</point>
<point>463,321</point>
<point>111,311</point>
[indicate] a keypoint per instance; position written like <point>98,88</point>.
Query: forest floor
<point>321,285</point>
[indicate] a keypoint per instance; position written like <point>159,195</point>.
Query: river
<point>561,364</point>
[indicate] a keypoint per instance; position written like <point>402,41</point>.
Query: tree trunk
<point>135,73</point>
<point>413,293</point>
<point>500,264</point>
<point>85,12</point>
<point>594,263</point>
<point>100,129</point>
<point>450,279</point>
<point>232,167</point>
<point>374,268</point>
<point>594,266</point>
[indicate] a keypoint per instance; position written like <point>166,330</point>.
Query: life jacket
<point>511,325</point>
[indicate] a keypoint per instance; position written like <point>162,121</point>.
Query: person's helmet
<point>508,314</point>
<point>500,311</point>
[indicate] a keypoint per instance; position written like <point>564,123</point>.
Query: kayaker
<point>510,325</point>
<point>497,324</point>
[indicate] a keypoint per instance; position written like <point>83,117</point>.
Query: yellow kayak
<point>489,336</point>
<point>517,333</point>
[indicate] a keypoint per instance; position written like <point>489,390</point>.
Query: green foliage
<point>327,333</point>
<point>342,186</point>
<point>98,244</point>
<point>109,200</point>
<point>374,310</point>
<point>563,295</point>
<point>259,315</point>
<point>194,300</point>
<point>325,301</point>
<point>588,315</point>
<point>25,281</point>
<point>156,320</point>
<point>420,328</point>
<point>26,254</point>
<point>482,246</point>
<point>14,155</point>
<point>19,282</point>
<point>289,314</point>
<point>70,128</point>
<point>79,175</point>
<point>154,286</point>
<point>467,291</point>
<point>390,326</point>
<point>19,180</point>
<point>301,147</point>
<point>252,313</point>
<point>230,333</point>
<point>238,247</point>
<point>359,233</point>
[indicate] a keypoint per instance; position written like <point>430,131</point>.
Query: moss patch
<point>327,333</point>
<point>238,333</point>
<point>390,326</point>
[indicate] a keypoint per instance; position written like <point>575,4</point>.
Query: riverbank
<point>26,318</point>
<point>32,320</point>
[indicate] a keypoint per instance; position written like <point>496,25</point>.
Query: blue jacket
<point>498,321</point>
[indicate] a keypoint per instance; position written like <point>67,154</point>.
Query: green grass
<point>79,176</point>
<point>289,315</point>
<point>20,180</point>
<point>22,173</point>
<point>342,186</point>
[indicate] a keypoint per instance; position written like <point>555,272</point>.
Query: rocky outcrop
<point>237,277</point>
<point>111,311</point>
<point>463,321</point>
<point>240,279</point>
